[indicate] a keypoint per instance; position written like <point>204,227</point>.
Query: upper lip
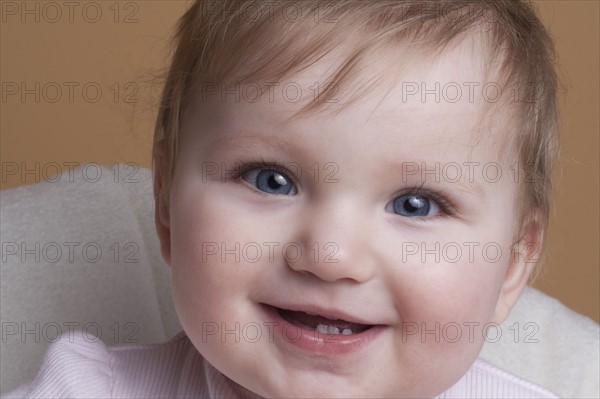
<point>331,313</point>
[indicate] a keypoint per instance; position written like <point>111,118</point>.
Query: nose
<point>334,243</point>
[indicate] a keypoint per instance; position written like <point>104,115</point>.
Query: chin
<point>308,385</point>
<point>324,392</point>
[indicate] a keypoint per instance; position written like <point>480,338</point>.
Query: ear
<point>162,217</point>
<point>524,258</point>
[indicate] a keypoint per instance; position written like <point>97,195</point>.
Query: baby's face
<point>343,216</point>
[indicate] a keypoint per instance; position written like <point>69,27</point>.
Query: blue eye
<point>414,205</point>
<point>270,181</point>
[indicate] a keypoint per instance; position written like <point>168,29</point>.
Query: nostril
<point>302,271</point>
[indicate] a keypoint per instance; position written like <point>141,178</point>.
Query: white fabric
<point>559,349</point>
<point>175,369</point>
<point>131,302</point>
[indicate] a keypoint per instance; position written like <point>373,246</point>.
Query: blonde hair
<point>257,40</point>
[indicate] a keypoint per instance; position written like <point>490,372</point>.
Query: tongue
<point>302,319</point>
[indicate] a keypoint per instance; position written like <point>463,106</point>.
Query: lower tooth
<point>326,329</point>
<point>347,331</point>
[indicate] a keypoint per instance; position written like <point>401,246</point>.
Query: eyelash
<point>241,168</point>
<point>439,196</point>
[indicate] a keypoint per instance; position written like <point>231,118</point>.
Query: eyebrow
<point>245,139</point>
<point>428,174</point>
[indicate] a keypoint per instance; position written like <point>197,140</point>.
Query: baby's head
<point>383,163</point>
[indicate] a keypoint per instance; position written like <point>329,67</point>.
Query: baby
<point>360,187</point>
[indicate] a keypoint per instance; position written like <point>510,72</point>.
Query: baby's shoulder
<point>484,380</point>
<point>80,366</point>
<point>73,367</point>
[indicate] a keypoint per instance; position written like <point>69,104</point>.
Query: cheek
<point>456,273</point>
<point>200,280</point>
<point>461,294</point>
<point>214,242</point>
<point>449,285</point>
<point>443,308</point>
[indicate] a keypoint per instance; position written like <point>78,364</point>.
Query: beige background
<point>104,54</point>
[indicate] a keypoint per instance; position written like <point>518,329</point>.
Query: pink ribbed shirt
<point>175,369</point>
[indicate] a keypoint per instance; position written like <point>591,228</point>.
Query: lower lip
<point>315,342</point>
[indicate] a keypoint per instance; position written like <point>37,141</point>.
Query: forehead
<point>424,96</point>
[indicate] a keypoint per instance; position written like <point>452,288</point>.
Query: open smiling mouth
<point>322,324</point>
<point>316,331</point>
